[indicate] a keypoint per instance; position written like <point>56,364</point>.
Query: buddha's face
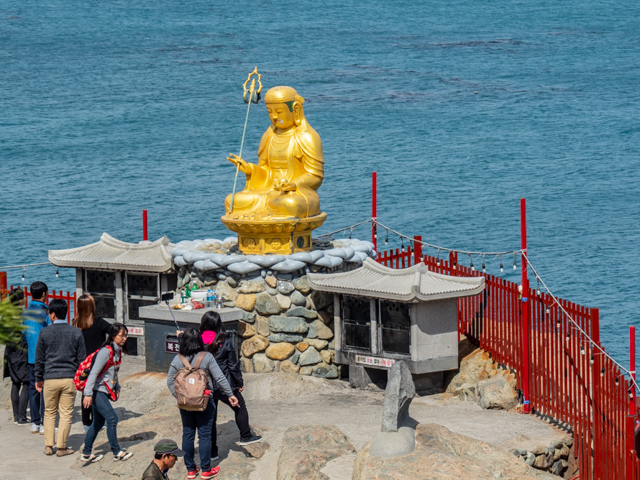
<point>280,115</point>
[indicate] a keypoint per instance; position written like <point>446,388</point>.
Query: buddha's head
<point>285,107</point>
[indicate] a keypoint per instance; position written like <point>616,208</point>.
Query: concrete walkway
<point>276,402</point>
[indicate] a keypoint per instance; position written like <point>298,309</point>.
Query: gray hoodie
<point>96,382</point>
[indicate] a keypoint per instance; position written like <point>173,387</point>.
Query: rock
<point>302,346</point>
<point>471,368</point>
<point>466,392</point>
<point>325,317</point>
<point>288,367</point>
<point>305,370</point>
<point>280,351</point>
<point>309,357</point>
<point>271,281</point>
<point>245,365</point>
<point>262,364</point>
<point>443,455</point>
<point>496,392</point>
<point>255,285</point>
<point>559,467</point>
<point>248,317</point>
<point>283,337</point>
<point>317,344</point>
<point>246,330</point>
<point>564,451</point>
<point>272,291</point>
<point>301,284</point>
<point>325,371</point>
<point>397,397</point>
<point>328,356</point>
<point>246,302</point>
<point>302,312</point>
<point>233,283</point>
<point>262,325</point>
<point>298,299</point>
<point>266,304</point>
<point>306,449</point>
<point>284,301</point>
<point>530,459</point>
<point>285,288</point>
<point>281,323</point>
<point>295,357</point>
<point>320,300</point>
<point>225,291</point>
<point>255,450</point>
<point>543,461</point>
<point>319,330</point>
<point>255,344</point>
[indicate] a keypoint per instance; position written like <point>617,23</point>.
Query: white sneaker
<point>35,428</point>
<point>41,430</point>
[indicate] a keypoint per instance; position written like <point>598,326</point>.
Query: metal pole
<point>145,229</point>
<point>526,353</point>
<point>374,210</point>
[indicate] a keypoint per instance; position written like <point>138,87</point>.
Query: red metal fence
<point>571,382</point>
<point>69,297</point>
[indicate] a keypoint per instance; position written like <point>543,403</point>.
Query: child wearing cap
<point>166,454</point>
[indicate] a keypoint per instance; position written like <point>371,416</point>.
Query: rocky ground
<point>313,429</point>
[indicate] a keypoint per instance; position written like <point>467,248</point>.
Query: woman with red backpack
<point>94,331</point>
<point>193,356</point>
<point>101,389</point>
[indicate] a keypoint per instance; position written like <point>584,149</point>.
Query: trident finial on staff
<point>250,95</point>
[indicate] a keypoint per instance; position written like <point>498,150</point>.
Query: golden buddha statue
<point>280,195</point>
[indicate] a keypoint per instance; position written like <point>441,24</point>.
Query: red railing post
<point>3,281</point>
<point>526,350</point>
<point>417,249</point>
<point>632,367</point>
<point>145,229</point>
<point>374,210</point>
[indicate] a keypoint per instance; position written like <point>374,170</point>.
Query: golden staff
<point>253,97</point>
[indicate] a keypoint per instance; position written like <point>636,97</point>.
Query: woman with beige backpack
<point>193,393</point>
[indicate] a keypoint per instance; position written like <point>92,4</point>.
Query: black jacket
<point>15,361</point>
<point>227,360</point>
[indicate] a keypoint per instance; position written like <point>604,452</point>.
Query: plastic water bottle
<point>209,299</point>
<point>214,301</point>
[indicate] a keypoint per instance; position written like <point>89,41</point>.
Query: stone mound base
<point>443,455</point>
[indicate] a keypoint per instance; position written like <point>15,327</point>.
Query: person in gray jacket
<point>190,346</point>
<point>101,389</point>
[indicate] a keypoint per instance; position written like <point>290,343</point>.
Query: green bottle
<point>187,291</point>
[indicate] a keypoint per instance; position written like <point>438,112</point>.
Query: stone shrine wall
<point>286,326</point>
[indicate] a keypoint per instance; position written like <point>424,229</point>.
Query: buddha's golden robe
<point>293,156</point>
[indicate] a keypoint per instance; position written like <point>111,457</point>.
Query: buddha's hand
<point>285,186</point>
<point>244,166</point>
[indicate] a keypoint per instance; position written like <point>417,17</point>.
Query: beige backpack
<point>191,384</point>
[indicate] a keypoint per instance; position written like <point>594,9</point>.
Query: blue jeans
<point>36,400</point>
<point>202,421</point>
<point>102,412</point>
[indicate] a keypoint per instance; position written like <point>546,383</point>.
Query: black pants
<point>19,400</point>
<point>87,416</point>
<point>242,418</point>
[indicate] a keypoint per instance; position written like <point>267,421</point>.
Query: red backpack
<point>84,369</point>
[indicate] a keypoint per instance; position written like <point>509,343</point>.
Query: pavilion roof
<point>112,254</point>
<point>413,284</point>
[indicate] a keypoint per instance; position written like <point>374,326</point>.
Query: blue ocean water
<point>461,107</point>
